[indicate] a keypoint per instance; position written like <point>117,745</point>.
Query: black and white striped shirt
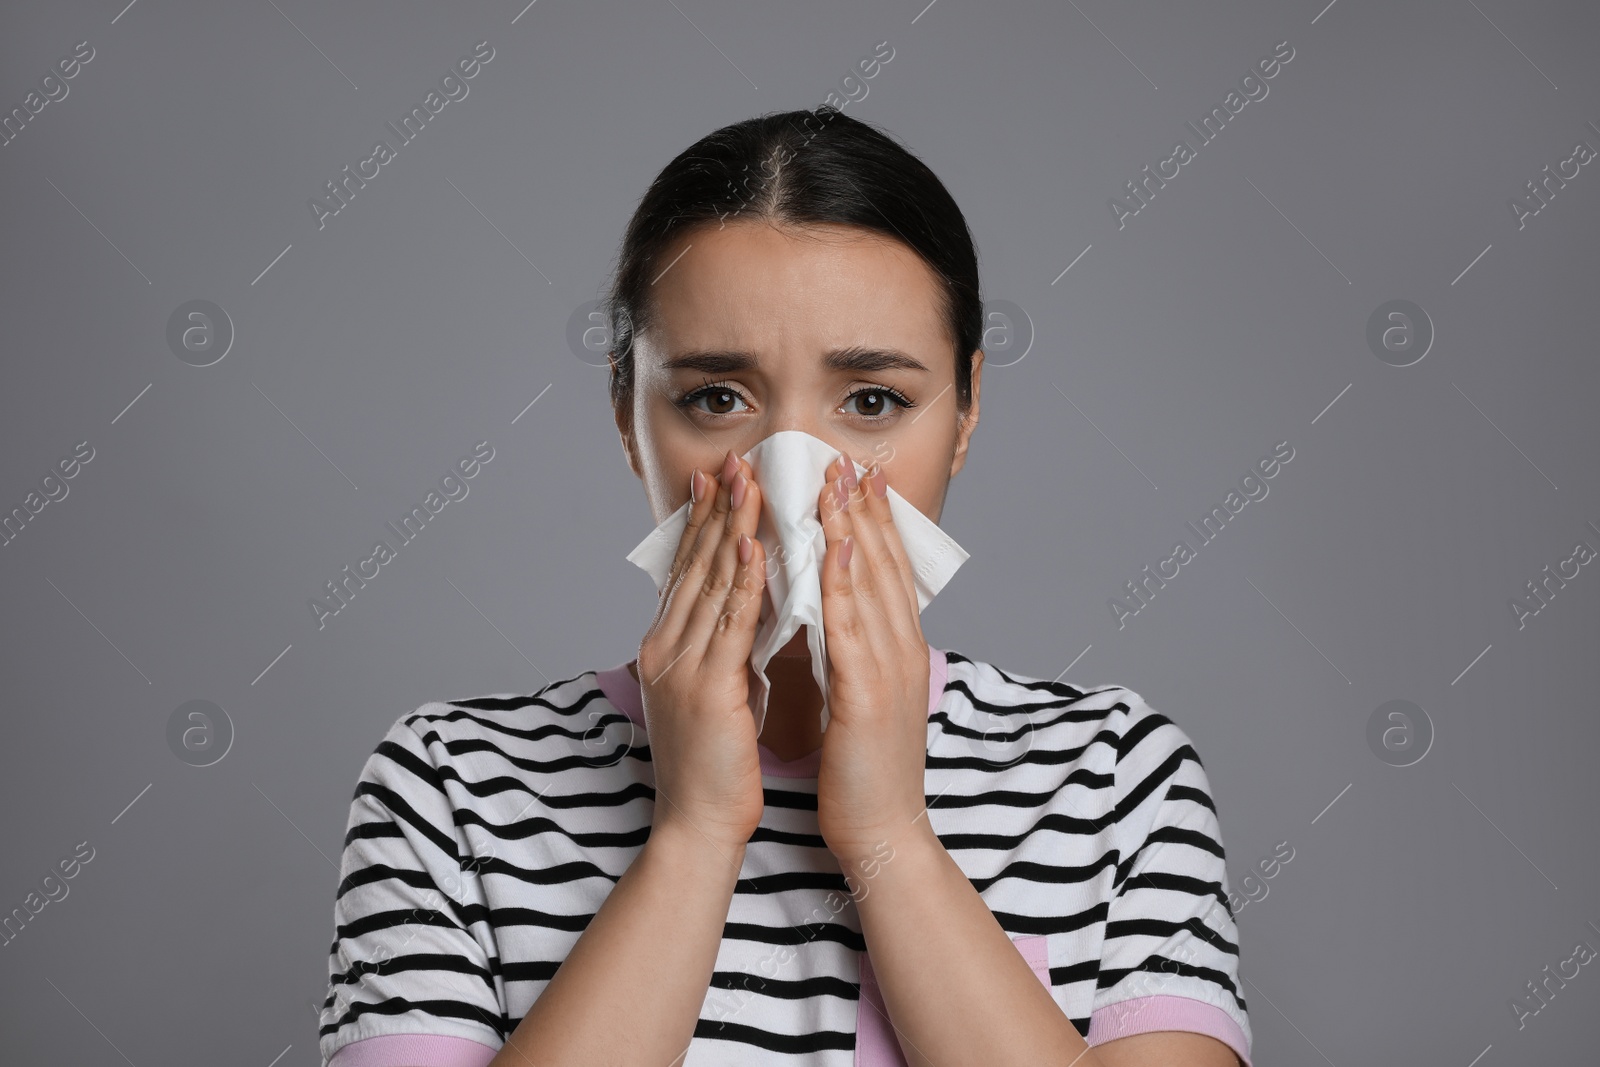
<point>485,833</point>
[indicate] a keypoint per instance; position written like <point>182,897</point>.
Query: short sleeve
<point>408,981</point>
<point>1170,959</point>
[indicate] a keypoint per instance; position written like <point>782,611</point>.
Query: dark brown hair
<point>798,167</point>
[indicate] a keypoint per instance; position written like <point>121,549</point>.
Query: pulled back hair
<point>798,167</point>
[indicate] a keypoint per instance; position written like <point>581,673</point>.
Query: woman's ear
<point>969,421</point>
<point>630,445</point>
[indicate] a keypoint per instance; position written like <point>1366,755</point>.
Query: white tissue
<point>790,467</point>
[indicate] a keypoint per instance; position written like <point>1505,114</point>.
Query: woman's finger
<point>735,633</point>
<point>699,509</point>
<point>710,597</point>
<point>840,567</point>
<point>698,542</point>
<point>879,585</point>
<point>880,537</point>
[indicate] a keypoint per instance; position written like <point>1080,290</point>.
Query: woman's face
<point>760,328</point>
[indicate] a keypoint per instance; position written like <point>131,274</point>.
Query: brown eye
<point>872,404</point>
<point>718,398</point>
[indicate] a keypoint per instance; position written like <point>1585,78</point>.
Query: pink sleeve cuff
<point>1143,1015</point>
<point>413,1050</point>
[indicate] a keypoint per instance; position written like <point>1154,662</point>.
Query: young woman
<point>969,866</point>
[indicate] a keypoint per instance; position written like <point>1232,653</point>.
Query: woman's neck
<point>794,708</point>
<point>793,727</point>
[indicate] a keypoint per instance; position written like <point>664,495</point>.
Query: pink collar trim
<point>622,690</point>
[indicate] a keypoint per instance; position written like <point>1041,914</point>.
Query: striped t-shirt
<point>485,833</point>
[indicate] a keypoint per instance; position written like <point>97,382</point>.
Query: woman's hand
<point>694,671</point>
<point>874,751</point>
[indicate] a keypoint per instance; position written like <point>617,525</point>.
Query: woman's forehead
<point>792,246</point>
<point>755,284</point>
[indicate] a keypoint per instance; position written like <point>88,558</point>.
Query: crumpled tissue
<point>791,467</point>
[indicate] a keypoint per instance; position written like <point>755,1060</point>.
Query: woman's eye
<point>719,400</point>
<point>871,404</point>
<point>874,403</point>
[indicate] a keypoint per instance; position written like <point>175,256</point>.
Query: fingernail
<point>697,485</point>
<point>739,484</point>
<point>730,465</point>
<point>746,549</point>
<point>844,554</point>
<point>880,484</point>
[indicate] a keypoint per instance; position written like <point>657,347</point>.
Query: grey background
<point>1227,316</point>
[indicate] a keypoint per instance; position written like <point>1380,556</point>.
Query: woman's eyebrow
<point>854,358</point>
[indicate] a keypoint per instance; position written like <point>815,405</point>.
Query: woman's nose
<point>828,435</point>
